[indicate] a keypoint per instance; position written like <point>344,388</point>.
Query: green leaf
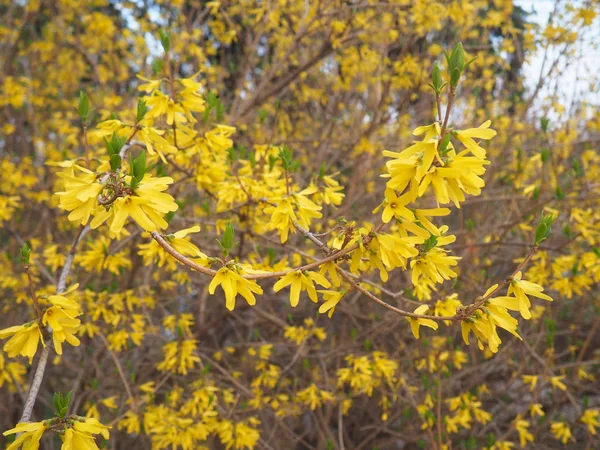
<point>157,66</point>
<point>25,253</point>
<point>116,143</point>
<point>444,144</point>
<point>165,40</point>
<point>142,109</point>
<point>545,154</point>
<point>436,79</point>
<point>322,171</point>
<point>541,232</point>
<point>84,106</point>
<point>57,403</point>
<point>139,167</point>
<point>115,162</point>
<point>227,242</point>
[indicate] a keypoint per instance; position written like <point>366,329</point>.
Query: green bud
<point>165,40</point>
<point>545,153</point>
<point>227,244</point>
<point>456,63</point>
<point>84,106</point>
<point>436,77</point>
<point>25,253</point>
<point>457,58</point>
<point>544,227</point>
<point>455,77</point>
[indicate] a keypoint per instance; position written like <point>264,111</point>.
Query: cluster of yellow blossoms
<point>257,190</point>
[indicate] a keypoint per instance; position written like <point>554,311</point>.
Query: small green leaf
<point>115,162</point>
<point>157,66</point>
<point>25,253</point>
<point>165,40</point>
<point>142,109</point>
<point>545,154</point>
<point>84,106</point>
<point>436,79</point>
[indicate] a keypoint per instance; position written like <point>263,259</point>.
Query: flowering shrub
<point>180,178</point>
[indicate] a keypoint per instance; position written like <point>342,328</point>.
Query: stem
<point>34,299</point>
<point>87,146</point>
<point>35,385</point>
<point>439,409</point>
<point>41,367</point>
<point>451,94</point>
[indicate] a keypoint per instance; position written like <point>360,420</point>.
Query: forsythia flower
<point>590,418</point>
<point>301,281</point>
<point>24,340</point>
<point>332,298</point>
<point>179,356</point>
<point>81,435</point>
<point>63,326</point>
<point>415,323</point>
<point>232,284</point>
<point>482,132</point>
<point>80,195</point>
<point>143,207</point>
<point>522,427</point>
<point>521,289</point>
<point>561,432</point>
<point>557,382</point>
<point>30,438</point>
<point>396,207</point>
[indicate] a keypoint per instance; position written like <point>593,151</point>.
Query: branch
<point>41,367</point>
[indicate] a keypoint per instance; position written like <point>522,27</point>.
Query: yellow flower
<point>590,418</point>
<point>557,382</point>
<point>522,427</point>
<point>536,409</point>
<point>484,328</point>
<point>24,341</point>
<point>502,445</point>
<point>282,218</point>
<point>521,289</point>
<point>332,298</point>
<point>501,317</point>
<point>561,432</point>
<point>301,281</point>
<point>396,207</point>
<point>80,195</point>
<point>162,104</point>
<point>109,402</point>
<point>179,356</point>
<point>92,426</point>
<point>30,438</point>
<point>150,85</point>
<point>179,242</point>
<point>155,142</point>
<point>482,132</point>
<point>145,206</point>
<point>416,323</point>
<point>531,380</point>
<point>434,265</point>
<point>232,284</point>
<point>63,325</point>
